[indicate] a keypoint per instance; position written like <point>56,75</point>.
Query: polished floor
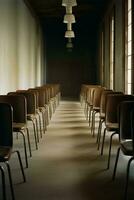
<point>67,165</point>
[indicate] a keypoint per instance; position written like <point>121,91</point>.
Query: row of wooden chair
<point>16,108</point>
<point>115,111</point>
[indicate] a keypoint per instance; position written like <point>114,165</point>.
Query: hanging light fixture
<point>69,34</point>
<point>69,3</point>
<point>69,18</point>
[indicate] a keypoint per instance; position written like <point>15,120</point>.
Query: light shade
<point>69,34</point>
<point>69,3</point>
<point>69,18</point>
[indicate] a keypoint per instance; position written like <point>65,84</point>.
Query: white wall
<point>20,47</point>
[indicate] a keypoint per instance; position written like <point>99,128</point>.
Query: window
<point>112,49</point>
<point>128,49</point>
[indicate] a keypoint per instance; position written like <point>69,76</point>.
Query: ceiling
<point>53,9</point>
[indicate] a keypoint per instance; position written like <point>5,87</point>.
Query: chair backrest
<point>31,101</point>
<point>90,93</point>
<point>6,118</point>
<point>112,105</point>
<point>42,96</point>
<point>97,96</point>
<point>126,120</point>
<point>36,93</point>
<point>104,100</point>
<point>18,102</point>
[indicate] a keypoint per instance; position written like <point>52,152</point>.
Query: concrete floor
<point>67,165</point>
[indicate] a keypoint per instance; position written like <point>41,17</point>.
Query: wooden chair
<point>31,111</point>
<point>18,102</point>
<point>126,138</point>
<point>102,114</point>
<point>6,144</point>
<point>96,105</point>
<point>39,108</point>
<point>111,121</point>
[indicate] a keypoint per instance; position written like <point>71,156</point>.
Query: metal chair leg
<point>37,130</point>
<point>89,115</point>
<point>40,125</point>
<point>92,118</point>
<point>103,140</point>
<point>110,145</point>
<point>29,144</point>
<point>10,180</point>
<point>93,128</point>
<point>116,161</point>
<point>127,177</point>
<point>35,136</point>
<point>25,148</point>
<point>21,165</point>
<point>3,183</point>
<point>99,133</point>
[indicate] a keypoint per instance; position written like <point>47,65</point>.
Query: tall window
<point>112,48</point>
<point>128,49</point>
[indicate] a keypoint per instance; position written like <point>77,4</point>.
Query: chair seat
<point>112,126</point>
<point>127,148</point>
<point>19,126</point>
<point>5,153</point>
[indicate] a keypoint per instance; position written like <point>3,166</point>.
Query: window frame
<point>126,48</point>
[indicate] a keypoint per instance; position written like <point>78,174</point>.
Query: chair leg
<point>37,130</point>
<point>99,134</point>
<point>45,118</point>
<point>89,115</point>
<point>103,140</point>
<point>25,148</point>
<point>29,144</point>
<point>10,180</point>
<point>85,108</point>
<point>21,166</point>
<point>116,161</point>
<point>93,129</point>
<point>40,125</point>
<point>34,129</point>
<point>92,118</point>
<point>87,112</point>
<point>43,121</point>
<point>47,114</point>
<point>3,183</point>
<point>110,145</point>
<point>98,131</point>
<point>127,177</point>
